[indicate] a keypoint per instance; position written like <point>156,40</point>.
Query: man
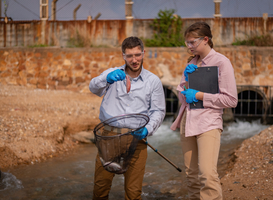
<point>146,96</point>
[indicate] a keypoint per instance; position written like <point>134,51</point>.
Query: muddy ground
<point>37,124</point>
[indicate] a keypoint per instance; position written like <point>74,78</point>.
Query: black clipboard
<point>204,79</point>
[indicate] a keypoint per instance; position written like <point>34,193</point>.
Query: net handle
<point>155,150</point>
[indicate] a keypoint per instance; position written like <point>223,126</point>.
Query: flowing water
<point>71,176</point>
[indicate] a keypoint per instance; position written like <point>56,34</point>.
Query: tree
<point>167,30</point>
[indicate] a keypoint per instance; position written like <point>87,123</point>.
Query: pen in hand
<point>186,90</point>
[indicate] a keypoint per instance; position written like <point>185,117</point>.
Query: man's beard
<point>132,69</point>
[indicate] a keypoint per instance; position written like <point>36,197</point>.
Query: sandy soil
<point>38,124</point>
<point>251,169</point>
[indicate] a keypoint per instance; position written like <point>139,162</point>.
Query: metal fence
<point>254,101</point>
<point>171,102</point>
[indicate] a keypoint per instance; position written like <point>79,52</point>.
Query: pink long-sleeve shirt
<point>210,117</point>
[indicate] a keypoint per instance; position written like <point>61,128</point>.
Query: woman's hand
<point>189,69</point>
<point>190,95</point>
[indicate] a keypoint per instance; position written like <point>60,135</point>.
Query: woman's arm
<point>227,96</point>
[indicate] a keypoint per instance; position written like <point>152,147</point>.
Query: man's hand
<point>190,95</point>
<point>189,69</point>
<point>116,75</point>
<point>140,134</point>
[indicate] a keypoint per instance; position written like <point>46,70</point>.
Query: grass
<point>38,45</point>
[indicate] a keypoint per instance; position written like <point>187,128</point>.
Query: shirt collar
<point>141,75</point>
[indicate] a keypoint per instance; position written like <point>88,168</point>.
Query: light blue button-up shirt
<point>146,97</point>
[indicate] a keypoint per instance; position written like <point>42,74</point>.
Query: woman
<point>201,129</point>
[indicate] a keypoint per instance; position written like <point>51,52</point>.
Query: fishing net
<point>115,143</point>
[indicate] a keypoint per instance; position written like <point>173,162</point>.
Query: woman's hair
<point>132,42</point>
<point>199,29</point>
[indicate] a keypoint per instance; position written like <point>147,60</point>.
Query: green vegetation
<point>81,40</point>
<point>37,45</point>
<point>263,40</point>
<point>78,41</point>
<point>167,30</point>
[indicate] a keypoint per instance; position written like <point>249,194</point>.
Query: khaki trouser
<point>200,158</point>
<point>133,177</point>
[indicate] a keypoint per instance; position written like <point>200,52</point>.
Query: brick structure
<point>73,68</point>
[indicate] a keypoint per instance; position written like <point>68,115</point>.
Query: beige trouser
<point>200,158</point>
<point>133,177</point>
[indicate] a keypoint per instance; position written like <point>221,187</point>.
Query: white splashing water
<point>238,130</point>
<point>242,130</point>
<point>164,135</point>
<point>9,181</point>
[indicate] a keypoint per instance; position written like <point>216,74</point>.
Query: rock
<point>84,137</point>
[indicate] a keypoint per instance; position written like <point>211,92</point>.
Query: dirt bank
<point>37,124</point>
<point>251,174</point>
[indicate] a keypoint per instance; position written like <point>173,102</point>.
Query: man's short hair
<point>132,42</point>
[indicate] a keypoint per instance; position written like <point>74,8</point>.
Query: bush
<point>263,40</point>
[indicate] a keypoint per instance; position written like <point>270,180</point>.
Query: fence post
<point>265,17</point>
<point>75,11</point>
<point>53,9</point>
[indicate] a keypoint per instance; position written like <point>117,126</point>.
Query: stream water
<point>71,176</point>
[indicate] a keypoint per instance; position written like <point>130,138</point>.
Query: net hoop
<point>116,145</point>
<point>116,118</point>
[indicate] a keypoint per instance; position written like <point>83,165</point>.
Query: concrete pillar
<point>217,8</point>
<point>129,17</point>
<point>44,18</point>
<point>44,9</point>
<point>43,29</point>
<point>265,17</point>
<point>129,9</point>
<point>129,28</point>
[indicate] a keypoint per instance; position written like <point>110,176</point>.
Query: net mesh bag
<point>115,143</point>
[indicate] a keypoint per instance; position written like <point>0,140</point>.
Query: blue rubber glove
<point>190,95</point>
<point>116,75</point>
<point>140,134</point>
<point>189,69</point>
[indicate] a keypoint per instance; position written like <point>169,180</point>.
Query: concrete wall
<point>73,68</point>
<point>111,33</point>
